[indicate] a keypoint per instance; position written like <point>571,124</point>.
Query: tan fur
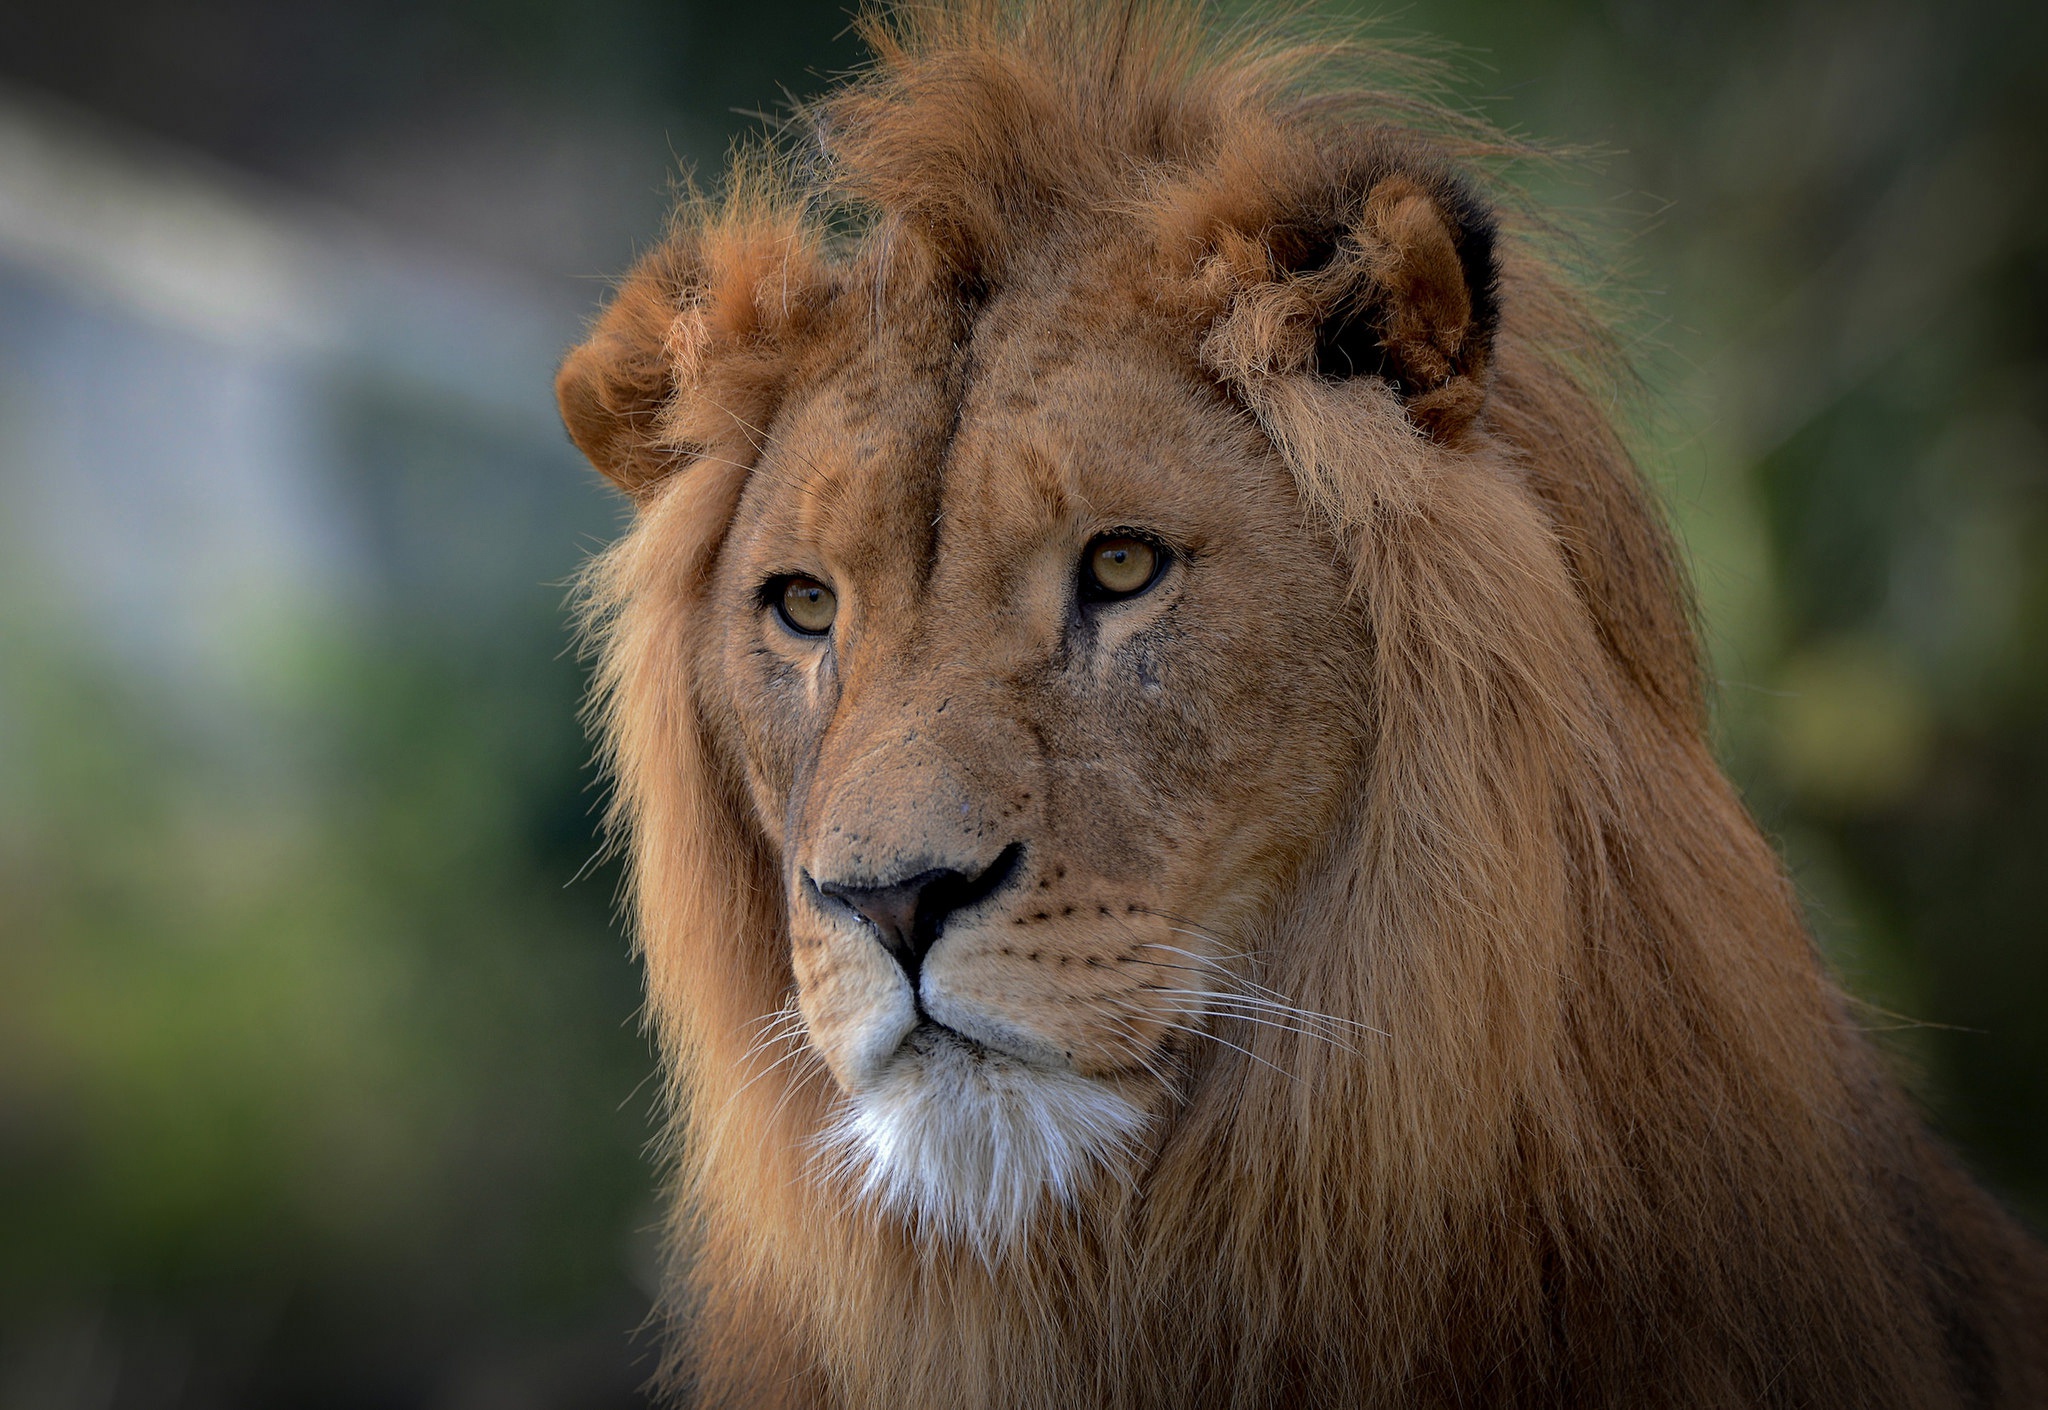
<point>1412,735</point>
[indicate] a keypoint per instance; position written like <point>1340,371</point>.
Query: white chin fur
<point>966,1144</point>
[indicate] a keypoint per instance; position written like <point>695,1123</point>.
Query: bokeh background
<point>320,1076</point>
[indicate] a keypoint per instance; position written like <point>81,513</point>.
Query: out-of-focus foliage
<point>319,1075</point>
<point>301,1047</point>
<point>1844,338</point>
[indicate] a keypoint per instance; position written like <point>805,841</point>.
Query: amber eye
<point>1118,565</point>
<point>807,605</point>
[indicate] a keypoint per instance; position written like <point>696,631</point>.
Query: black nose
<point>908,915</point>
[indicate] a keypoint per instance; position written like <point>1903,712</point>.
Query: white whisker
<point>1269,1006</point>
<point>1203,1012</point>
<point>1219,1038</point>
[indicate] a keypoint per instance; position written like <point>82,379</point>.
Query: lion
<point>1163,760</point>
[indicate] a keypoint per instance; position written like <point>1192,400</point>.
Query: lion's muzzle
<point>907,916</point>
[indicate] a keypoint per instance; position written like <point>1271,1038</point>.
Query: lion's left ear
<point>1390,274</point>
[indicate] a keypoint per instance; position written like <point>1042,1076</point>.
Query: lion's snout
<point>908,915</point>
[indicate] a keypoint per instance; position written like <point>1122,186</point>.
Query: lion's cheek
<point>855,1004</point>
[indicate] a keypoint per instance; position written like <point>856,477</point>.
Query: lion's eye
<point>1118,565</point>
<point>807,605</point>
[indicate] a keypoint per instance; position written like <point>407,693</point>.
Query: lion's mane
<point>1626,1145</point>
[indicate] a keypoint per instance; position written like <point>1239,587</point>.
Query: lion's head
<point>1162,750</point>
<point>1039,674</point>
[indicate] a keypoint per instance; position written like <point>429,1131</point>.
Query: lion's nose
<point>908,915</point>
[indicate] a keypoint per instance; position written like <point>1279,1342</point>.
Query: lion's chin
<point>969,1145</point>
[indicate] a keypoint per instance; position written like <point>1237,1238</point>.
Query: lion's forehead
<point>1029,422</point>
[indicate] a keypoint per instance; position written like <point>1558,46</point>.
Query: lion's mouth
<point>933,1039</point>
<point>930,1035</point>
<point>946,1026</point>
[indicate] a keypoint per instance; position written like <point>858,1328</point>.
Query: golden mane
<point>1626,1145</point>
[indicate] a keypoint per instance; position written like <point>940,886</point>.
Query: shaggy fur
<point>1380,996</point>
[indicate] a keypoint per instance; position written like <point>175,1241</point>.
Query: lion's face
<point>1026,617</point>
<point>1015,698</point>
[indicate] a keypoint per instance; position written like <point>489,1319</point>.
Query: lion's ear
<point>691,356</point>
<point>615,385</point>
<point>1388,275</point>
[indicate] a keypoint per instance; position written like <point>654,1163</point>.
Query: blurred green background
<point>320,1079</point>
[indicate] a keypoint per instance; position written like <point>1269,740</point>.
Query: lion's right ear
<point>692,355</point>
<point>614,387</point>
